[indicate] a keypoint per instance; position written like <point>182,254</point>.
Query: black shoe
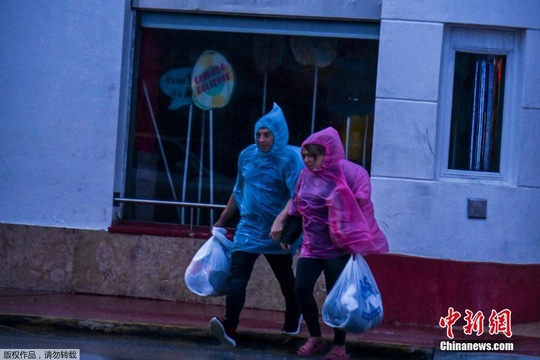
<point>226,336</point>
<point>292,328</point>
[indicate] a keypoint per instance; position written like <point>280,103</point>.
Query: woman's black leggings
<point>307,273</point>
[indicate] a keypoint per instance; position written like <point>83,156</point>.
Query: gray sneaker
<point>225,336</point>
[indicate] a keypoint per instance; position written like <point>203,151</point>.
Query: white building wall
<point>421,214</point>
<point>60,78</point>
<point>406,107</point>
<point>529,171</point>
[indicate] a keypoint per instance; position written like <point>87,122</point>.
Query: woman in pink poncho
<point>333,197</point>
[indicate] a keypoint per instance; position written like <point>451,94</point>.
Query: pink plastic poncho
<point>335,204</point>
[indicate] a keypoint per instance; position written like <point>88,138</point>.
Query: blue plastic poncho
<point>264,183</point>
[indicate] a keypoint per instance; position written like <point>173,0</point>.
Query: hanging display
<point>351,93</point>
<point>212,81</point>
<point>268,53</point>
<point>317,52</point>
<point>212,85</point>
<point>176,83</point>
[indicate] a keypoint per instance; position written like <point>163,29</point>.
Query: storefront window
<point>183,152</point>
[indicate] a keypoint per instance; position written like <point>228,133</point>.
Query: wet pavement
<point>98,345</point>
<point>110,327</point>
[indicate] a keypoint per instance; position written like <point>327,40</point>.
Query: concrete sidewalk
<point>169,318</point>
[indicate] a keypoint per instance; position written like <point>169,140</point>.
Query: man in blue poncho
<point>266,180</point>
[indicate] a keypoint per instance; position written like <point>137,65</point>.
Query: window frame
<point>480,41</point>
<point>261,25</point>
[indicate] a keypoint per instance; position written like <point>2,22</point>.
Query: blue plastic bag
<point>354,304</point>
<point>209,270</point>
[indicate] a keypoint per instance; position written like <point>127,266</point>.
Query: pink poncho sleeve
<point>349,227</point>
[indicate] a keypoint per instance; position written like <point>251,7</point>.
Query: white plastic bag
<point>209,270</point>
<point>354,304</point>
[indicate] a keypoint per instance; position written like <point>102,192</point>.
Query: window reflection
<point>477,110</point>
<point>318,82</point>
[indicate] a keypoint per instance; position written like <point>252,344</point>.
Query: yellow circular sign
<point>212,82</point>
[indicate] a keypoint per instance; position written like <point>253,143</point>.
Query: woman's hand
<point>277,229</point>
<point>279,222</point>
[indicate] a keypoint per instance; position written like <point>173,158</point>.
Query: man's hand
<point>230,210</point>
